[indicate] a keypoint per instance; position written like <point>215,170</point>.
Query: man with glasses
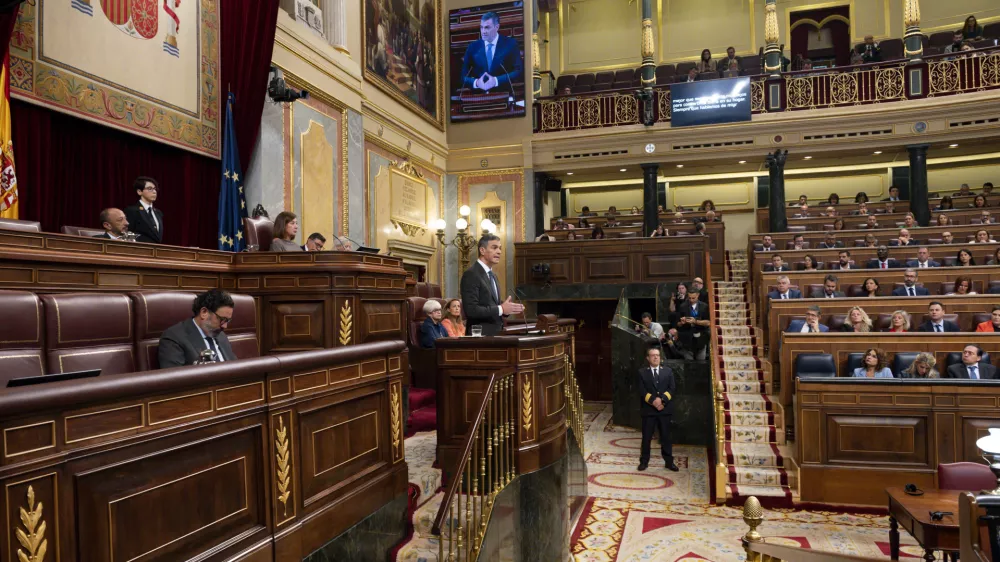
<point>146,221</point>
<point>183,343</point>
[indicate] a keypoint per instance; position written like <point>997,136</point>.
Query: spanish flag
<point>8,181</point>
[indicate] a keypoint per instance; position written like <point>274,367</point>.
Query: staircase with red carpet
<point>423,411</point>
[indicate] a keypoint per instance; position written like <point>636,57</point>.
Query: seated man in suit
<point>923,260</point>
<point>937,323</point>
<point>493,61</point>
<point>883,261</point>
<point>830,288</point>
<point>893,194</point>
<point>184,342</point>
<point>830,241</point>
<point>693,324</point>
<point>810,324</point>
<point>801,201</point>
<point>887,209</point>
<point>481,291</point>
<point>783,292</point>
<point>656,387</point>
<point>871,222</point>
<point>972,366</point>
<point>778,264</point>
<point>431,329</point>
<point>314,243</point>
<point>862,210</point>
<point>115,225</point>
<point>904,239</point>
<point>730,59</point>
<point>910,288</point>
<point>947,238</point>
<point>843,260</point>
<point>146,220</point>
<point>798,242</point>
<point>986,218</point>
<point>768,244</point>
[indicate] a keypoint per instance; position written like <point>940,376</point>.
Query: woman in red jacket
<point>993,324</point>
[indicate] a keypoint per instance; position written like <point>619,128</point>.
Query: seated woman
<point>571,235</point>
<point>809,263</point>
<point>873,366</point>
<point>660,231</point>
<point>921,368</point>
<point>833,199</point>
<point>707,63</point>
<point>871,241</point>
<point>979,202</point>
<point>946,204</point>
<point>993,324</point>
<point>431,329</point>
<point>635,210</point>
<point>943,220</point>
<point>900,322</point>
<point>857,321</point>
<point>870,287</point>
<point>965,258</point>
<point>996,258</point>
<point>707,205</point>
<point>963,286</point>
<point>597,233</point>
<point>983,237</point>
<point>838,224</point>
<point>286,227</point>
<point>972,30</point>
<point>861,197</point>
<point>452,319</point>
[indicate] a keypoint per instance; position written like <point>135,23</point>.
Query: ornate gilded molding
<point>346,323</point>
<point>411,230</point>
<point>771,23</point>
<point>284,460</point>
<point>648,48</point>
<point>395,420</point>
<point>526,405</point>
<point>32,537</point>
<point>911,13</point>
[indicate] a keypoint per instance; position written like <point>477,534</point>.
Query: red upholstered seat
<point>242,331</point>
<point>970,476</point>
<point>21,336</point>
<point>155,311</point>
<point>259,232</point>
<point>89,331</point>
<point>20,225</point>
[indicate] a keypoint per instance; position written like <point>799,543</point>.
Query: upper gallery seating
<point>117,333</point>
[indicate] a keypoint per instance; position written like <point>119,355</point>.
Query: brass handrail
<point>721,470</point>
<point>574,402</point>
<point>485,467</point>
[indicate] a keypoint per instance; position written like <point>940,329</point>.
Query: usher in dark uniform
<point>657,382</point>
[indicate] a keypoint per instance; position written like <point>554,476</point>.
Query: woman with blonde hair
<point>921,368</point>
<point>286,227</point>
<point>900,322</point>
<point>452,321</point>
<point>857,321</point>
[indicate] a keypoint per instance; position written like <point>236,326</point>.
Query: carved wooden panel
<point>606,269</point>
<point>295,325</point>
<point>380,320</point>
<point>203,494</point>
<point>656,267</point>
<point>340,440</point>
<point>877,440</point>
<point>37,496</point>
<point>550,397</point>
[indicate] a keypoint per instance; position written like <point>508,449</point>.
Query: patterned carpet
<point>753,454</point>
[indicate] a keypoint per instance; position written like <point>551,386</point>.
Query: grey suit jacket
<point>182,345</point>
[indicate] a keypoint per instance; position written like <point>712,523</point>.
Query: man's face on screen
<point>489,29</point>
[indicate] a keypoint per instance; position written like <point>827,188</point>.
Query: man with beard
<point>183,343</point>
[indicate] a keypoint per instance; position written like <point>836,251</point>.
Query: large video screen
<point>710,102</point>
<point>486,46</point>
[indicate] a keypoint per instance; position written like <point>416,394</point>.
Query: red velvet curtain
<point>69,169</point>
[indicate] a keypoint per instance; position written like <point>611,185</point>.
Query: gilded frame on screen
<point>393,91</point>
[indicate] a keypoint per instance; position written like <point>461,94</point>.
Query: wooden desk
<point>913,514</point>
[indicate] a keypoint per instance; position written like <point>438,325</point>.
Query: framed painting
<point>401,40</point>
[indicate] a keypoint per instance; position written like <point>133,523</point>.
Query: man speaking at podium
<point>494,61</point>
<point>481,291</point>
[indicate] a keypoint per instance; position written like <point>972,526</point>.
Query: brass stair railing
<point>574,405</point>
<point>486,466</point>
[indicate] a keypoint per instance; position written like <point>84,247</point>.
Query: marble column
<point>539,196</point>
<point>772,52</point>
<point>918,184</point>
<point>912,37</point>
<point>776,175</point>
<point>649,216</point>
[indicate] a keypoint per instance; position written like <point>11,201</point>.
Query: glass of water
<point>477,331</point>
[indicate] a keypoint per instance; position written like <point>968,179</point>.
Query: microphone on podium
<point>524,309</point>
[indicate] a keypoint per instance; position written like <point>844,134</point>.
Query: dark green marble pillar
<point>649,216</point>
<point>918,184</point>
<point>776,178</point>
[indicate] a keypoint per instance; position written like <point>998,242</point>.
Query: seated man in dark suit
<point>115,225</point>
<point>768,244</point>
<point>778,264</point>
<point>783,292</point>
<point>656,388</point>
<point>185,342</point>
<point>883,261</point>
<point>843,261</point>
<point>314,243</point>
<point>810,324</point>
<point>830,241</point>
<point>146,220</point>
<point>693,324</point>
<point>904,239</point>
<point>923,260</point>
<point>910,288</point>
<point>893,194</point>
<point>494,60</point>
<point>871,222</point>
<point>937,323</point>
<point>830,288</point>
<point>431,329</point>
<point>972,366</point>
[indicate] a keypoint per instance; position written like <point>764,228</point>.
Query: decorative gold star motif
<point>228,175</point>
<point>236,177</point>
<point>241,190</point>
<point>243,204</point>
<point>239,235</point>
<point>222,239</point>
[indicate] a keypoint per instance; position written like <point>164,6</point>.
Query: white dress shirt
<point>214,346</point>
<point>146,209</point>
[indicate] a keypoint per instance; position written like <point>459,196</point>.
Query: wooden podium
<point>539,362</point>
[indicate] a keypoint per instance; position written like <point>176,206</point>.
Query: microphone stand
<point>524,310</point>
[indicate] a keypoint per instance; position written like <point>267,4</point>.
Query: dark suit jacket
<point>784,267</point>
<point>948,327</point>
<point>142,224</point>
<point>913,242</point>
<point>792,294</point>
<point>920,291</point>
<point>873,263</point>
<point>506,67</point>
<point>182,345</point>
<point>994,291</point>
<point>663,388</point>
<point>795,326</point>
<point>687,331</point>
<point>822,295</point>
<point>479,302</point>
<point>837,244</point>
<point>959,371</point>
<point>429,331</point>
<point>915,264</point>
<point>771,248</point>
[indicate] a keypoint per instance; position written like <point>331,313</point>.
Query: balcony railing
<point>884,82</point>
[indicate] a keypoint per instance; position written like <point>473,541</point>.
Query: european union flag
<point>232,201</point>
